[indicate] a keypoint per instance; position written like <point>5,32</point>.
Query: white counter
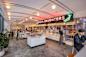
<point>56,37</point>
<point>36,40</point>
<point>23,34</point>
<point>53,36</point>
<point>81,53</point>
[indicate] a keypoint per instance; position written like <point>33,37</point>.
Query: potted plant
<point>4,41</point>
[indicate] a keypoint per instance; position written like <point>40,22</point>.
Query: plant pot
<point>2,52</point>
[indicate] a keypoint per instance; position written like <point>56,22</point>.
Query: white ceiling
<point>44,8</point>
<point>75,5</point>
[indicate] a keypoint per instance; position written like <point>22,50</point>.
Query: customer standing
<point>12,33</point>
<point>79,40</point>
<point>61,36</point>
<point>17,34</point>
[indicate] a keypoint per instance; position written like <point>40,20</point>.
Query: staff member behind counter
<point>79,39</point>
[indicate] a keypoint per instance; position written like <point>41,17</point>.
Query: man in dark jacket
<point>79,39</point>
<point>61,36</point>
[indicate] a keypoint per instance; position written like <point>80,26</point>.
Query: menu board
<point>52,20</point>
<point>64,18</point>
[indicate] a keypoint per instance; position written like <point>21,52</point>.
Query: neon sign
<point>64,18</point>
<point>68,17</point>
<point>60,18</point>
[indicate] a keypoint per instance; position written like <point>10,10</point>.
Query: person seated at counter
<point>79,39</point>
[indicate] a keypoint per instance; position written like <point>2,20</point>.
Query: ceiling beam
<point>61,5</point>
<point>31,8</point>
<point>27,14</point>
<point>64,5</point>
<point>44,5</point>
<point>58,5</point>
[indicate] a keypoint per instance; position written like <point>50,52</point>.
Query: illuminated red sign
<point>52,19</point>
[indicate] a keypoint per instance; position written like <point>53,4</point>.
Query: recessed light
<point>9,17</point>
<point>26,19</point>
<point>8,13</point>
<point>8,6</point>
<point>30,17</point>
<point>38,14</point>
<point>53,6</point>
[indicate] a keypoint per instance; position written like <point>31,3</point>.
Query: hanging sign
<point>64,18</point>
<point>60,18</point>
<point>68,17</point>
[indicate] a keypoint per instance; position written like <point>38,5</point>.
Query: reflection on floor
<point>19,48</point>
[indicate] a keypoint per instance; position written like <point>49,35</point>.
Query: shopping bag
<point>71,55</point>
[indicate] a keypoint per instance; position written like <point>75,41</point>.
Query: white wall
<point>6,25</point>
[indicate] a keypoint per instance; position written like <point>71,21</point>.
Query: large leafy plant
<point>4,41</point>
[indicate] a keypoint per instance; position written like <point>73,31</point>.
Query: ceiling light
<point>8,13</point>
<point>53,6</point>
<point>26,19</point>
<point>9,17</point>
<point>38,14</point>
<point>8,6</point>
<point>30,17</point>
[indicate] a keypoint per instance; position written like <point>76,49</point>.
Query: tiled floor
<point>19,48</point>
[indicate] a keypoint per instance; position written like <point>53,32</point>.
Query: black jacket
<point>60,32</point>
<point>78,41</point>
<point>83,38</point>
